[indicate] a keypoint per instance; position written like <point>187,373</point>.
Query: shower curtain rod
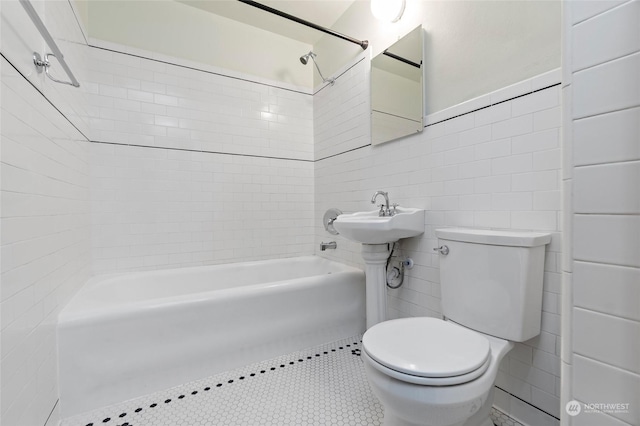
<point>401,59</point>
<point>362,43</point>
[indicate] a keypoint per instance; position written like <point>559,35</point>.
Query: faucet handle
<point>395,210</point>
<point>382,211</point>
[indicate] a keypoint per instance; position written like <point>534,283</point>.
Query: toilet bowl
<point>433,372</point>
<point>450,384</point>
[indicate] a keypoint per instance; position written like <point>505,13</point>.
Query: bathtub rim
<point>72,313</point>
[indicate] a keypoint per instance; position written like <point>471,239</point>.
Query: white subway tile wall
<point>334,134</point>
<point>492,168</point>
<point>604,212</point>
<point>45,243</point>
<point>44,207</point>
<point>20,39</point>
<point>197,168</point>
<point>159,208</point>
<point>618,35</point>
<point>72,102</point>
<point>139,101</point>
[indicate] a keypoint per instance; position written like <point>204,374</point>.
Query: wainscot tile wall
<point>601,91</point>
<point>493,166</point>
<point>191,167</point>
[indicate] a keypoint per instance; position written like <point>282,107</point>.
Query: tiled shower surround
<point>45,243</point>
<point>194,167</point>
<point>140,101</point>
<point>45,234</point>
<point>158,208</point>
<point>495,167</point>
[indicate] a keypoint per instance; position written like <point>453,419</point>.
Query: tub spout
<point>331,245</point>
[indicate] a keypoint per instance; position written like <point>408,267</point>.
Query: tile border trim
<point>525,87</point>
<point>235,154</point>
<point>528,403</point>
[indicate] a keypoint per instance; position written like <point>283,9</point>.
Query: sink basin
<point>369,228</point>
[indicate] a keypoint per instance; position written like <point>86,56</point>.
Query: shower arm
<point>324,80</point>
<point>362,43</point>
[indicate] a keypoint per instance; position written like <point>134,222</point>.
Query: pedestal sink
<point>376,233</point>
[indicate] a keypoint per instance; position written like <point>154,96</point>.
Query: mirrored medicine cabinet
<point>397,89</point>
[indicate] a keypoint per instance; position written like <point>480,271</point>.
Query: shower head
<point>305,58</point>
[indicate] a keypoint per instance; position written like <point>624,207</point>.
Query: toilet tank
<point>491,281</point>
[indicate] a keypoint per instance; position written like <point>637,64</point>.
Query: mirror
<point>397,89</point>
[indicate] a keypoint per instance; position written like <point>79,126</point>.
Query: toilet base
<point>396,421</point>
<point>481,418</point>
<point>409,404</point>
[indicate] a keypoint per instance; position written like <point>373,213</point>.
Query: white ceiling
<point>320,12</point>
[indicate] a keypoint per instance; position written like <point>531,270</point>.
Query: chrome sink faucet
<point>384,208</point>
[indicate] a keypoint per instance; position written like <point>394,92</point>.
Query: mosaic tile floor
<point>501,419</point>
<point>325,385</point>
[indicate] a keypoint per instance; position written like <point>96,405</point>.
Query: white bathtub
<point>127,335</point>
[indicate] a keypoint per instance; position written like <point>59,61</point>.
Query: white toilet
<point>428,371</point>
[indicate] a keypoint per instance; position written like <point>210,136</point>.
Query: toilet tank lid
<point>493,237</point>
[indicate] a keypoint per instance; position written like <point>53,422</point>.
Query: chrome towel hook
<point>40,63</point>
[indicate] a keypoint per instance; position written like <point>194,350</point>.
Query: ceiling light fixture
<point>388,10</point>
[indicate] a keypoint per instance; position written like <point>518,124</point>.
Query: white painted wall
<point>498,167</point>
<point>81,8</point>
<point>601,171</point>
<point>473,47</point>
<point>182,31</point>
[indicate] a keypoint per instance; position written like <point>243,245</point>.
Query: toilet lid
<point>426,347</point>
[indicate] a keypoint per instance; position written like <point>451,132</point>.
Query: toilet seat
<point>427,351</point>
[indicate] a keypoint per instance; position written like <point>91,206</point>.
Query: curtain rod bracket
<point>44,63</point>
<point>42,29</point>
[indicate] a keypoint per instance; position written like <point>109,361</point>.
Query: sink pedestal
<point>375,233</point>
<point>375,258</point>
